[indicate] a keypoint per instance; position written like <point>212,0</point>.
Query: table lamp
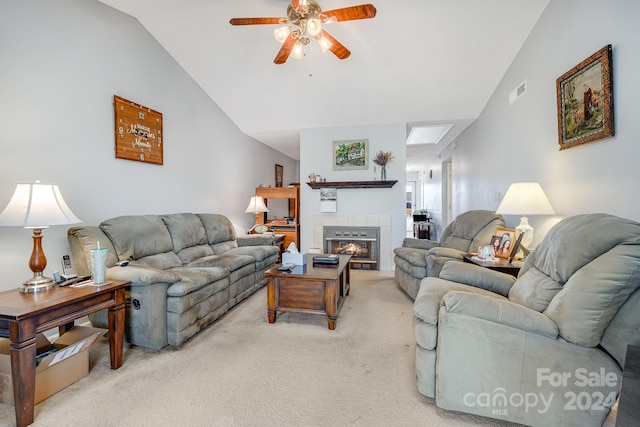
<point>37,206</point>
<point>525,198</point>
<point>256,205</point>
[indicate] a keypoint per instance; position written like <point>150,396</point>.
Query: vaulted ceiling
<point>418,61</point>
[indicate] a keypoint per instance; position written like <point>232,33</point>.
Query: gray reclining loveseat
<point>417,259</point>
<point>185,269</point>
<point>545,349</point>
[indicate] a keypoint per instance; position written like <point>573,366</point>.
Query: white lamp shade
<point>298,50</point>
<point>37,206</point>
<point>281,33</point>
<point>325,43</point>
<point>525,198</point>
<point>256,205</point>
<point>314,27</point>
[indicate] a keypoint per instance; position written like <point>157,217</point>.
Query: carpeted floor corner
<point>243,371</point>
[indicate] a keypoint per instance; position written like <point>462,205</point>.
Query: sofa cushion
<point>230,262</point>
<point>426,307</point>
<point>144,238</point>
<point>188,236</point>
<point>594,294</point>
<point>598,274</point>
<point>81,240</point>
<point>186,230</point>
<point>471,229</point>
<point>259,253</point>
<point>220,232</point>
<point>416,257</point>
<point>534,289</point>
<point>194,279</point>
<point>563,251</point>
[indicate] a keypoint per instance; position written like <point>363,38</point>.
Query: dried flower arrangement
<point>381,159</point>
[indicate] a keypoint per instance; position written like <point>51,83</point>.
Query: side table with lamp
<point>257,207</point>
<point>525,198</point>
<point>37,206</point>
<point>39,305</point>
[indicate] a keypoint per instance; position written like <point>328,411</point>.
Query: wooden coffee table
<point>312,289</point>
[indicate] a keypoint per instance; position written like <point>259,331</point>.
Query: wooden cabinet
<point>290,227</point>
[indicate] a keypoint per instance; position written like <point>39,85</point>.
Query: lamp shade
<point>525,198</point>
<point>256,205</point>
<point>37,206</point>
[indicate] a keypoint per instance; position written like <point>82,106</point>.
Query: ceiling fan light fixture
<point>314,26</point>
<point>298,50</point>
<point>305,22</point>
<point>281,33</point>
<point>325,43</point>
<point>329,19</point>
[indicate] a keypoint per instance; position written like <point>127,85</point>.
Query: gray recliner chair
<point>417,259</point>
<point>546,348</point>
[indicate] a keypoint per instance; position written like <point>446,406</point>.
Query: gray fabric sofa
<point>417,259</point>
<point>186,270</point>
<point>546,348</point>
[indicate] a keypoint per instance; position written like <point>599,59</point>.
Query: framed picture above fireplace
<point>351,154</point>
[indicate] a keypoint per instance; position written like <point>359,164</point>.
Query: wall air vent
<point>518,92</point>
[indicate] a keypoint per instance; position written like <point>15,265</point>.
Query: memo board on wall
<point>138,132</point>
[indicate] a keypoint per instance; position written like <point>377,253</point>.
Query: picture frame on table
<point>585,101</point>
<point>351,154</point>
<point>507,239</point>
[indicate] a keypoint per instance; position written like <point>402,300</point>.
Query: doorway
<point>410,206</point>
<point>447,192</point>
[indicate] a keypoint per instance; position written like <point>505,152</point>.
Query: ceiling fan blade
<point>255,21</point>
<point>337,48</point>
<point>363,11</point>
<point>285,50</point>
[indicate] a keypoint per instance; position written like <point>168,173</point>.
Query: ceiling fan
<point>304,22</point>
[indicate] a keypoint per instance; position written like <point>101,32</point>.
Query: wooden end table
<point>312,289</point>
<point>23,315</point>
<point>501,264</point>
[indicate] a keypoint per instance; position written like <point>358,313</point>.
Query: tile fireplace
<point>362,243</point>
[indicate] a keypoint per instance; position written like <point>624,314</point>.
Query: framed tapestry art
<point>585,101</point>
<point>351,154</point>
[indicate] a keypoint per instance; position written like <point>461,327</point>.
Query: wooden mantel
<point>352,184</point>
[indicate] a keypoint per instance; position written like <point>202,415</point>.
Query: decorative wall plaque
<point>138,132</point>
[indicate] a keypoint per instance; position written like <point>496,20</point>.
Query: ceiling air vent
<point>518,92</point>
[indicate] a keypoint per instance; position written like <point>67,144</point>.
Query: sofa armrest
<point>445,252</point>
<point>141,276</point>
<point>410,242</point>
<point>256,240</point>
<point>479,277</point>
<point>499,311</point>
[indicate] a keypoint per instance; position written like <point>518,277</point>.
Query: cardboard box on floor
<point>57,370</point>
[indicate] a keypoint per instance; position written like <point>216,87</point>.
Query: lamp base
<point>37,283</point>
<point>527,230</point>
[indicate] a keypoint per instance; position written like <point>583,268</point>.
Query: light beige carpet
<point>243,371</point>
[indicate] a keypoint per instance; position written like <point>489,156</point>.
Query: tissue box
<point>294,258</point>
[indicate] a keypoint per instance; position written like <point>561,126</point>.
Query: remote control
<point>74,280</point>
<point>286,267</point>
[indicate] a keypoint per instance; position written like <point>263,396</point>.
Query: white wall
<point>316,156</point>
<point>520,142</point>
<point>62,62</point>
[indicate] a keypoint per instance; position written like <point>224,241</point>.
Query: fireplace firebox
<point>362,243</point>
